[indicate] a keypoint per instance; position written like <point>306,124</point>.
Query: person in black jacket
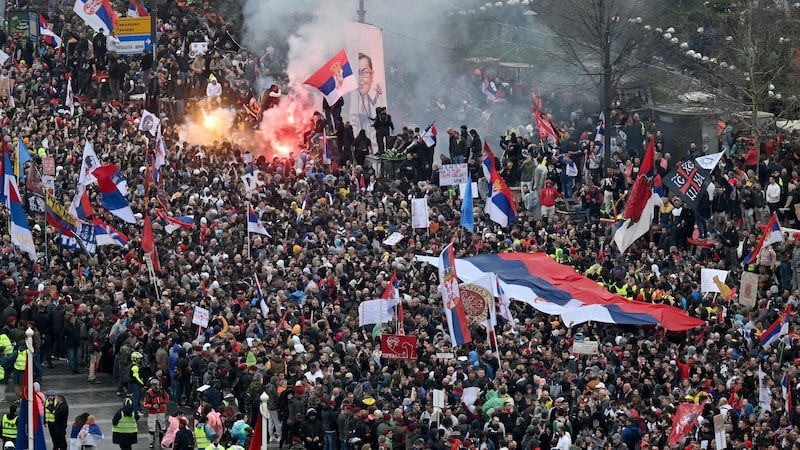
<point>58,429</point>
<point>311,431</point>
<point>383,128</point>
<point>72,342</point>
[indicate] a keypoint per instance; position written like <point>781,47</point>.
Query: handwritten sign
<point>200,316</point>
<point>450,174</point>
<point>393,239</point>
<point>585,347</point>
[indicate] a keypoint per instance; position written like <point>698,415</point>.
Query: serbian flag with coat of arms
<point>451,296</point>
<point>335,78</point>
<point>98,14</point>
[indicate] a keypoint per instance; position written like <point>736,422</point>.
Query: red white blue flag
<point>451,296</point>
<point>334,79</point>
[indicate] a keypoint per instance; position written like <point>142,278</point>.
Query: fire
<point>291,118</point>
<point>210,121</point>
<point>283,149</point>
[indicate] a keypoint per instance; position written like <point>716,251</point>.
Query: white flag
<point>70,99</point>
<point>88,164</point>
<point>376,311</point>
<point>149,122</point>
<point>419,213</point>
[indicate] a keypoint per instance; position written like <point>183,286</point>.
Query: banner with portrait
<point>364,45</point>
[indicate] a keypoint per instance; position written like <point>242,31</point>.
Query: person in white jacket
<point>214,92</point>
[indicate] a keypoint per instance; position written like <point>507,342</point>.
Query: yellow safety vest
<point>21,361</point>
<point>126,424</point>
<point>5,344</point>
<point>135,374</point>
<point>200,438</point>
<point>9,427</point>
<point>49,416</point>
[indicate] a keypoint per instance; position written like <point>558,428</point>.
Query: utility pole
<point>606,98</point>
<point>362,13</point>
<point>153,37</point>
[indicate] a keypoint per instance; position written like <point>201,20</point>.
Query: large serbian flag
<point>556,289</point>
<point>451,296</point>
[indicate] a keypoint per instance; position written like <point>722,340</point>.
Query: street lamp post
<point>362,13</point>
<point>29,370</point>
<point>264,415</point>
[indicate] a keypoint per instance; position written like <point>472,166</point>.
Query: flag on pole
<point>110,196</point>
<point>764,402</point>
<point>429,135</point>
<point>647,168</point>
<point>467,213</point>
<point>684,421</point>
<point>451,296</point>
<point>98,14</point>
<point>89,162</point>
<point>107,235</point>
<point>772,234</point>
<point>47,34</point>
<point>500,205</point>
<point>22,157</point>
<point>505,306</point>
<point>786,388</point>
<point>255,441</point>
<point>18,224</point>
<point>22,419</point>
<point>778,329</point>
<point>392,293</point>
<point>335,78</point>
<point>174,223</point>
<point>262,303</point>
<point>70,101</point>
<point>254,225</point>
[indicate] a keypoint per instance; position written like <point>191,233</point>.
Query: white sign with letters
<point>450,174</point>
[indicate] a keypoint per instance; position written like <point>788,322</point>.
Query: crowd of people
<point>325,252</point>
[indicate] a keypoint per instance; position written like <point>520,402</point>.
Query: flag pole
<point>29,380</point>
<point>247,217</point>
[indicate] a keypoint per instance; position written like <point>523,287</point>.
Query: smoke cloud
<point>426,80</point>
<point>211,126</point>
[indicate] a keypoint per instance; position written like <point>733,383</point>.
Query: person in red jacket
<point>547,198</point>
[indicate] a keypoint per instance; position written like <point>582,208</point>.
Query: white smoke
<point>215,125</point>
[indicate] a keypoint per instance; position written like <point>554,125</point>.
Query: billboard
<point>364,44</point>
<point>23,24</point>
<point>133,34</point>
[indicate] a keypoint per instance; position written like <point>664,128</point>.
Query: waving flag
<point>786,387</point>
<point>429,135</point>
<point>778,329</point>
<point>685,419</point>
<point>326,150</point>
<point>478,296</point>
<point>58,216</point>
<point>98,14</point>
<point>90,435</point>
<point>22,157</point>
<point>89,162</point>
<point>107,235</point>
<point>22,419</point>
<point>556,289</point>
<point>80,206</point>
<point>451,296</point>
<point>83,239</point>
<point>70,100</point>
<point>637,223</point>
<point>335,78</point>
<point>7,171</point>
<point>500,205</point>
<point>254,225</point>
<point>149,123</point>
<point>505,306</point>
<point>548,130</point>
<point>136,10</point>
<point>47,34</point>
<point>772,234</point>
<point>467,213</point>
<point>18,223</point>
<point>262,302</point>
<point>110,196</point>
<point>376,311</point>
<point>600,138</point>
<point>647,168</point>
<point>689,179</point>
<point>173,223</point>
<point>392,292</point>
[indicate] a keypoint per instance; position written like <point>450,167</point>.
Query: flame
<point>282,126</point>
<point>291,118</point>
<point>283,149</point>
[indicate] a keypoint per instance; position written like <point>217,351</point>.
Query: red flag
<point>148,242</point>
<point>648,163</point>
<point>685,419</point>
<point>255,442</point>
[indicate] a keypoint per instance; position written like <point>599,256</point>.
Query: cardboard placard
<point>748,289</point>
<point>585,347</point>
<point>200,316</point>
<point>450,174</point>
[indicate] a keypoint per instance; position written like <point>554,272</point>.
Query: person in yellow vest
<point>124,429</point>
<point>202,434</point>
<point>9,425</point>
<point>19,368</point>
<point>6,361</point>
